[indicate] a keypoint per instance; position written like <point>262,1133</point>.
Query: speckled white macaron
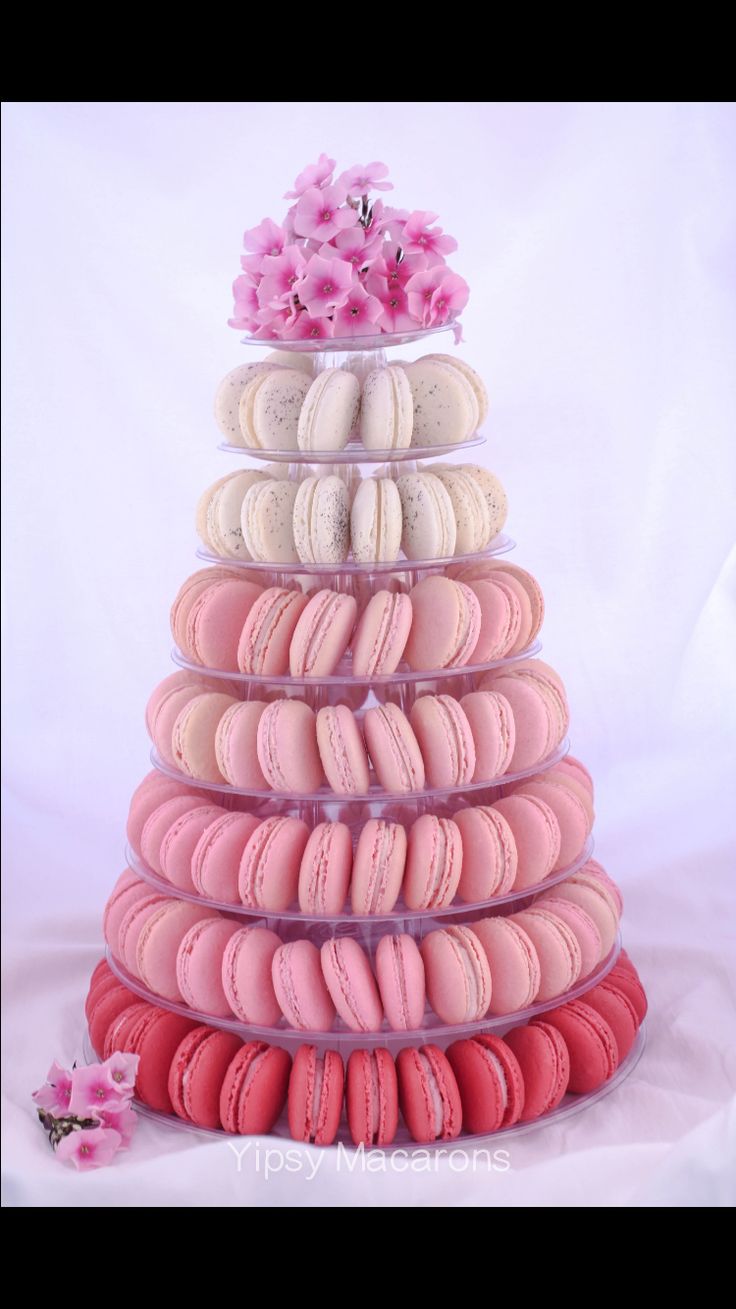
<point>227,398</point>
<point>330,411</point>
<point>472,518</point>
<point>375,521</point>
<point>387,410</point>
<point>428,528</point>
<point>321,521</point>
<point>219,514</point>
<point>475,380</point>
<point>445,407</point>
<point>270,406</point>
<point>267,518</point>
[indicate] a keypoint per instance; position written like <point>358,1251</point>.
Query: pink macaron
<point>445,624</point>
<point>587,934</point>
<point>433,863</point>
<point>152,792</point>
<point>158,944</point>
<point>324,874</point>
<point>182,680</point>
<point>342,750</point>
<point>235,745</point>
<point>428,1094</point>
<point>536,835</point>
<point>591,868</point>
<point>500,619</point>
<point>533,724</point>
<point>128,891</point>
<point>300,987</point>
<point>266,635</point>
<point>557,949</point>
<point>372,1097</point>
<point>445,740</point>
<point>381,634</point>
<point>158,824</point>
<point>613,1004</point>
<point>254,1089</point>
<point>216,620</point>
<point>268,876</point>
<point>494,734</point>
<point>513,961</point>
<point>458,975</point>
<point>199,965</point>
<point>322,634</point>
<point>164,715</point>
<point>193,735</point>
<point>400,974</point>
<point>378,867</point>
<point>217,855</point>
<point>394,749</point>
<point>315,1095</point>
<point>489,859</point>
<point>287,747</point>
<point>571,817</point>
<point>131,927</point>
<point>246,975</point>
<point>180,843</point>
<point>599,904</point>
<point>526,617</point>
<point>188,594</point>
<point>351,984</point>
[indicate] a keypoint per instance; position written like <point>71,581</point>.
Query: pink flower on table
<point>280,272</point>
<point>436,295</point>
<point>93,1089</point>
<point>265,239</point>
<point>319,174</point>
<point>358,315</point>
<point>419,238</point>
<point>303,327</point>
<point>322,214</point>
<point>91,1147</point>
<point>57,1092</point>
<point>123,1121</point>
<point>362,178</point>
<point>324,285</point>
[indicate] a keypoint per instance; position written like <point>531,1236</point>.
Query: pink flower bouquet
<point>341,264</point>
<point>87,1112</point>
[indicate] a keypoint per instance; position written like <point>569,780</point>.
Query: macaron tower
<point>360,902</point>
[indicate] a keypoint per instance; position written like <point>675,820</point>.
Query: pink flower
<point>303,326</point>
<point>123,1121</point>
<point>319,174</point>
<point>394,271</point>
<point>122,1068</point>
<point>353,246</point>
<point>271,327</point>
<point>325,285</point>
<point>392,221</point>
<point>319,213</point>
<point>280,272</point>
<point>358,315</point>
<point>360,179</point>
<point>265,239</point>
<point>395,315</point>
<point>57,1092</point>
<point>436,295</point>
<point>252,266</point>
<point>419,238</point>
<point>91,1147</point>
<point>92,1089</point>
<point>449,299</point>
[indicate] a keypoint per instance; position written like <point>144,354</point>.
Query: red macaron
<point>428,1094</point>
<point>490,1081</point>
<point>102,1012</point>
<point>545,1066</point>
<point>315,1095</point>
<point>254,1089</point>
<point>197,1073</point>
<point>590,1043</point>
<point>628,981</point>
<point>372,1097</point>
<point>612,1003</point>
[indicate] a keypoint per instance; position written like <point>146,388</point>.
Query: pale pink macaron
<point>513,961</point>
<point>235,745</point>
<point>199,965</point>
<point>351,984</point>
<point>246,975</point>
<point>300,987</point>
<point>269,627</point>
<point>381,635</point>
<point>322,634</point>
<point>558,951</point>
<point>216,621</point>
<point>401,982</point>
<point>342,750</point>
<point>180,680</point>
<point>270,863</point>
<point>445,740</point>
<point>494,734</point>
<point>578,772</point>
<point>597,901</point>
<point>155,788</point>
<point>131,926</point>
<point>324,874</point>
<point>581,923</point>
<point>158,823</point>
<point>187,595</point>
<point>180,842</point>
<point>433,863</point>
<point>458,975</point>
<point>571,781</point>
<point>531,587</point>
<point>570,813</point>
<point>127,891</point>
<point>445,624</point>
<point>549,685</point>
<point>526,615</point>
<point>534,728</point>
<point>500,619</point>
<point>217,855</point>
<point>378,867</point>
<point>536,835</point>
<point>287,747</point>
<point>158,944</point>
<point>164,713</point>
<point>593,869</point>
<point>489,859</point>
<point>394,749</point>
<point>193,735</point>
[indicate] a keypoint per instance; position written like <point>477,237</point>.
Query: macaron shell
<point>445,407</point>
<point>514,964</point>
<point>186,597</point>
<point>627,981</point>
<point>394,749</point>
<point>457,974</point>
<point>590,1043</point>
<point>428,527</point>
<point>495,495</point>
<point>227,399</point>
<point>300,987</point>
<point>122,898</point>
<point>586,932</point>
<point>223,527</point>
<point>490,1083</point>
<point>351,984</point>
<point>158,944</point>
<point>472,520</point>
<point>180,843</point>
<point>324,874</point>
<point>246,975</point>
<point>118,1033</point>
<point>199,966</point>
<point>376,521</point>
<point>387,410</point>
<point>158,823</point>
<point>216,620</point>
<point>378,867</point>
<point>276,405</point>
<point>322,520</point>
<point>381,635</point>
<point>445,624</point>
<point>571,817</point>
<point>287,747</point>
<point>322,634</point>
<point>193,735</point>
<point>545,1066</point>
<point>372,1097</point>
<point>315,1095</point>
<point>500,620</point>
<point>235,745</point>
<point>474,379</point>
<point>197,1073</point>
<point>156,1047</point>
<point>265,637</point>
<point>401,983</point>
<point>445,740</point>
<point>254,1089</point>
<point>428,1094</point>
<point>152,792</point>
<point>489,859</point>
<point>342,750</point>
<point>217,855</point>
<point>267,522</point>
<point>270,862</point>
<point>536,835</point>
<point>533,723</point>
<point>104,1011</point>
<point>613,1004</point>
<point>595,905</point>
<point>494,734</point>
<point>131,927</point>
<point>434,862</point>
<point>97,990</point>
<point>557,950</point>
<point>165,717</point>
<point>330,411</point>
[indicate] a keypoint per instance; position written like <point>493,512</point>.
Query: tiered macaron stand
<point>403,687</point>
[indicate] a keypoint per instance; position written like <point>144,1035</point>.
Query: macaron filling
<point>383,846</point>
<point>433,1092</point>
<point>441,867</point>
<point>495,1064</point>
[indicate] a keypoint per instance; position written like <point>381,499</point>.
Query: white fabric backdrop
<point>598,243</point>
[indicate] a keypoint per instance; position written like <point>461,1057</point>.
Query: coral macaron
<point>199,966</point>
<point>400,973</point>
<point>324,874</point>
<point>197,1073</point>
<point>269,865</point>
<point>253,1091</point>
<point>246,975</point>
<point>433,864</point>
<point>428,1094</point>
<point>542,1056</point>
<point>590,1043</point>
<point>315,1095</point>
<point>372,1097</point>
<point>378,867</point>
<point>490,1083</point>
<point>300,987</point>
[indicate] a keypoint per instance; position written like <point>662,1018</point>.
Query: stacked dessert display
<point>360,901</point>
